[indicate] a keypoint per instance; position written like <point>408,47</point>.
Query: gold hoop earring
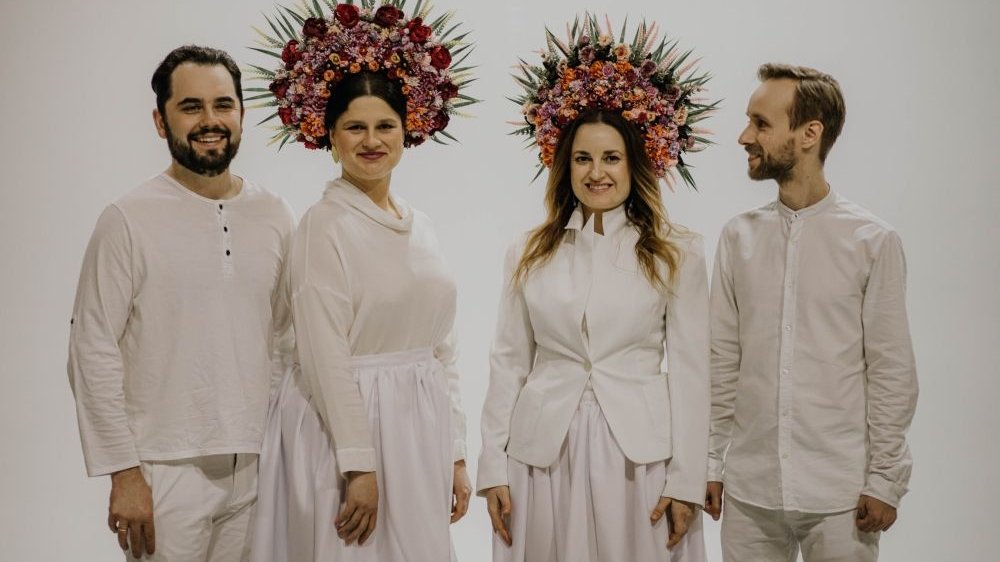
<point>335,154</point>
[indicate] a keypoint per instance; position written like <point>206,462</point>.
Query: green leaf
<point>266,52</point>
<point>268,118</point>
<point>258,96</point>
<point>278,32</point>
<point>446,135</point>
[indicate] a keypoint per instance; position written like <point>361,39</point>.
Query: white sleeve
<point>323,313</point>
<point>96,367</point>
<point>511,359</point>
<point>688,378</point>
<point>446,353</point>
<point>726,354</point>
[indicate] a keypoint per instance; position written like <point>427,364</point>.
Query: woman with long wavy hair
<point>591,451</point>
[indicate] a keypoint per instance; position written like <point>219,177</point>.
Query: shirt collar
<point>814,209</point>
<point>613,220</point>
<point>343,190</point>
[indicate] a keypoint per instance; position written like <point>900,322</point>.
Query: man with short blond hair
<point>813,377</point>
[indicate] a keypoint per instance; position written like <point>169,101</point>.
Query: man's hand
<point>498,504</point>
<point>356,521</point>
<point>713,499</point>
<point>874,515</point>
<point>130,512</point>
<point>461,491</point>
<point>679,515</point>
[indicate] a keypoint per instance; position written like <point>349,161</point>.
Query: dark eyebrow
<point>229,99</point>
<point>615,151</point>
<point>189,101</point>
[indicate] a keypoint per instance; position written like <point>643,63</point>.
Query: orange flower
<point>355,68</point>
<point>372,66</point>
<point>334,58</point>
<point>312,125</point>
<point>328,75</point>
<point>406,89</point>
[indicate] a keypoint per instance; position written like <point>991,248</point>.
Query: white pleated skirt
<point>592,504</point>
<point>301,491</point>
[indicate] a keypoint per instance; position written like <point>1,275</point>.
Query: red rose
<point>441,121</point>
<point>448,91</point>
<point>279,88</point>
<point>440,57</point>
<point>290,54</point>
<point>388,16</point>
<point>314,27</point>
<point>310,145</point>
<point>285,114</point>
<point>418,31</point>
<point>347,14</point>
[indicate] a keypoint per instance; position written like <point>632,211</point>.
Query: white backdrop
<point>919,149</point>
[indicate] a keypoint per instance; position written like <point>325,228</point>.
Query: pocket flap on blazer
<point>523,420</point>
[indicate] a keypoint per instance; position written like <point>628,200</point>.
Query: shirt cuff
<point>715,470</point>
<point>458,450</point>
<point>356,460</point>
<point>684,492</point>
<point>492,472</point>
<point>883,489</point>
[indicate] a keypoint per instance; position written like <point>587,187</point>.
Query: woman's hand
<point>461,491</point>
<point>498,504</point>
<point>356,521</point>
<point>679,515</point>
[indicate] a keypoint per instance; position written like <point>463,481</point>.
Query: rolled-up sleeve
<point>96,366</point>
<point>891,374</point>
<point>687,342</point>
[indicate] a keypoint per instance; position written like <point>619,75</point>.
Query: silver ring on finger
<point>123,529</point>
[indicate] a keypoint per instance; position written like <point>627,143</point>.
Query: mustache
<point>754,150</point>
<point>206,130</point>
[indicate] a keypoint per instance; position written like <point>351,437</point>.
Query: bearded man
<point>178,329</point>
<point>813,377</point>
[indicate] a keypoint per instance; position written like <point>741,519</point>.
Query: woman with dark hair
<point>593,452</point>
<point>364,455</point>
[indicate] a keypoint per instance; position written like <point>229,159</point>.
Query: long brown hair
<point>643,206</point>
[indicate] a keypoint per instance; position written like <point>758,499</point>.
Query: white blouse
<point>363,282</point>
<point>590,317</point>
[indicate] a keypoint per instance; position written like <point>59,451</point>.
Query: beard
<point>211,164</point>
<point>778,166</point>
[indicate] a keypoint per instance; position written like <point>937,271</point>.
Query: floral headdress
<point>317,50</point>
<point>652,88</point>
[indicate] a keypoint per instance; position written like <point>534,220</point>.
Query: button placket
<point>786,356</point>
<point>226,238</point>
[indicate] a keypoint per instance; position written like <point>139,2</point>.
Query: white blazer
<point>590,314</point>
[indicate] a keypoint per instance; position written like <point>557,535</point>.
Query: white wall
<point>919,149</point>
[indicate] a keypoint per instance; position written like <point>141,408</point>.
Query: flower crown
<point>652,88</point>
<point>317,51</point>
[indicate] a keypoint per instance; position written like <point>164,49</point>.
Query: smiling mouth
<point>371,155</point>
<point>598,188</point>
<point>209,139</point>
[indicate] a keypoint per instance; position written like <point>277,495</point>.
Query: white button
<point>788,327</point>
<point>784,371</point>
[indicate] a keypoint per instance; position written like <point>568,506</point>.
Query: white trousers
<point>592,504</point>
<point>203,507</point>
<point>754,534</point>
<point>301,490</point>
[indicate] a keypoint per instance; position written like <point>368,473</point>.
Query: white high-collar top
<point>813,378</point>
<point>173,335</point>
<point>589,316</point>
<point>364,282</point>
